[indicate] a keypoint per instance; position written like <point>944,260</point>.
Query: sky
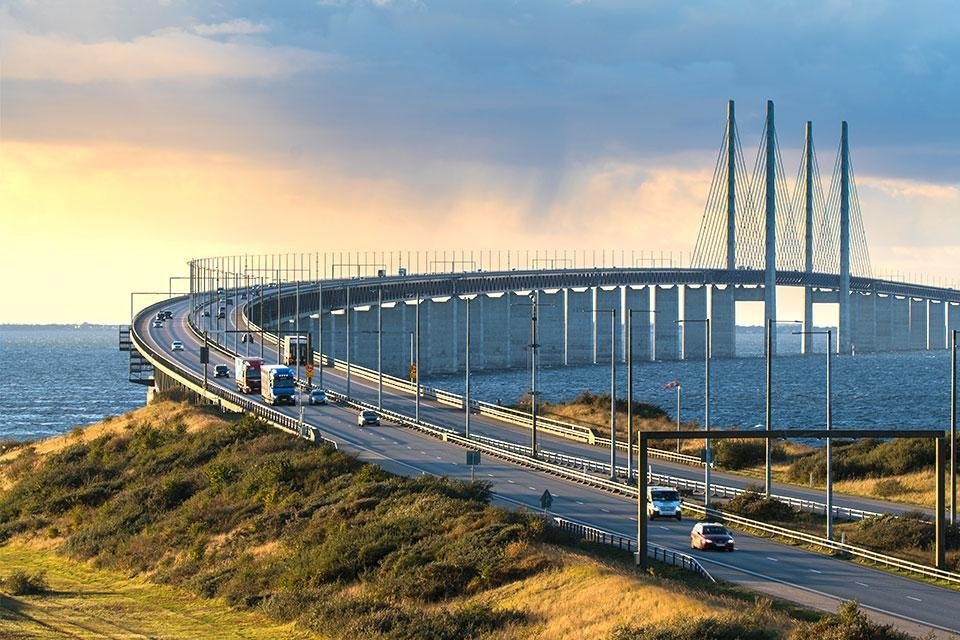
<point>136,135</point>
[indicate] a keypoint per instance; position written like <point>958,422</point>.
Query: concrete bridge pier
<point>437,355</point>
<point>364,329</point>
<point>518,310</point>
<point>604,300</point>
<point>863,321</point>
<point>666,344</point>
<point>900,324</point>
<point>953,319</point>
<point>937,325</point>
<point>578,329</point>
<point>723,320</point>
<point>694,308</point>
<point>493,335</point>
<point>638,298</point>
<point>918,324</point>
<point>550,328</point>
<point>396,340</point>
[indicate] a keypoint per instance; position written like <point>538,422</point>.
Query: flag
<point>672,384</point>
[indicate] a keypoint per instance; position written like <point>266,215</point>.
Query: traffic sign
<point>204,355</point>
<point>309,369</point>
<point>413,373</point>
<point>473,458</point>
<point>546,500</point>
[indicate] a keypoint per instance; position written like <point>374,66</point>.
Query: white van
<point>663,502</point>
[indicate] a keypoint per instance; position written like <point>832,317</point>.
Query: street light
<point>675,384</point>
<point>706,404</point>
<point>829,334</point>
<point>953,427</point>
<point>466,382</point>
<point>768,350</point>
<point>613,393</point>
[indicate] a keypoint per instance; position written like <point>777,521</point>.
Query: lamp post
<point>829,481</point>
<point>416,363</point>
<point>466,382</point>
<point>380,348</point>
<point>346,311</point>
<point>953,427</point>
<point>706,405</point>
<point>768,411</point>
<point>613,392</point>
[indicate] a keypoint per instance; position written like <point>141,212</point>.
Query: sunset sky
<point>135,135</point>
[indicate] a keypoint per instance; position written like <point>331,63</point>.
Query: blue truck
<point>277,384</point>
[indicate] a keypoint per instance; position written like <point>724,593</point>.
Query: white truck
<point>294,348</point>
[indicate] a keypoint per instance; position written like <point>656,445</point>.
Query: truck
<point>277,384</point>
<point>294,346</point>
<point>246,371</point>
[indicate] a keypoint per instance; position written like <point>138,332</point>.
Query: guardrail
<point>585,477</point>
<point>230,400</point>
<point>626,543</point>
<point>830,545</point>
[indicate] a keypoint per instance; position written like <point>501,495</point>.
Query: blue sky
<point>476,124</point>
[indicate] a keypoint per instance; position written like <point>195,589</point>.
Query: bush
<point>891,533</point>
<point>21,583</point>
<point>602,401</point>
<point>889,487</point>
<point>868,458</point>
<point>849,623</point>
<point>739,454</point>
<point>740,627</point>
<point>756,506</point>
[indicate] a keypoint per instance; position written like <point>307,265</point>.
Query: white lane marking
<point>409,447</point>
<point>439,458</point>
<point>913,598</point>
<point>815,571</point>
<point>604,510</point>
<point>772,559</point>
<point>532,488</point>
<point>511,481</point>
<point>664,528</point>
<point>490,474</point>
<point>423,453</point>
<point>862,584</point>
<point>634,518</point>
<point>578,502</point>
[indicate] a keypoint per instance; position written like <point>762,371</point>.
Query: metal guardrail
<point>663,554</point>
<point>584,477</point>
<point>823,543</point>
<point>233,401</point>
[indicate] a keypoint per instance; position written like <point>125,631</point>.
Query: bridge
<point>362,312</point>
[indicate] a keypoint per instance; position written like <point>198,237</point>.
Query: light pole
<point>768,411</point>
<point>416,363</point>
<point>706,405</point>
<point>953,427</point>
<point>613,392</point>
<point>829,334</point>
<point>466,382</point>
<point>346,311</point>
<point>380,348</point>
<point>675,384</point>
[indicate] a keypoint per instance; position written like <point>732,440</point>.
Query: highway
<point>759,564</point>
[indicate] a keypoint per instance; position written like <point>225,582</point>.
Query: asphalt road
<point>760,564</point>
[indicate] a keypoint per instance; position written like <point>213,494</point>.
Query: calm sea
<point>56,378</point>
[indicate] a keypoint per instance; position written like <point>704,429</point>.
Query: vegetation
<point>849,623</point>
<point>865,459</point>
<point>21,583</point>
<point>755,505</point>
<point>740,454</point>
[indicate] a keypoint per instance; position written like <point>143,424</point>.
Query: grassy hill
<point>172,516</point>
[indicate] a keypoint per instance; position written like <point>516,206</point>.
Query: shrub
<point>849,623</point>
<point>890,533</point>
<point>738,454</point>
<point>888,487</point>
<point>740,627</point>
<point>868,458</point>
<point>756,506</point>
<point>21,583</point>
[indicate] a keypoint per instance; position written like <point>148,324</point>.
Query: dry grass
<point>588,599</point>
<point>93,603</point>
<point>598,419</point>
<point>918,488</point>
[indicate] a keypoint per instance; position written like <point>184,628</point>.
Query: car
<point>711,535</point>
<point>221,371</point>
<point>205,314</point>
<point>222,313</point>
<point>157,324</point>
<point>168,315</point>
<point>664,502</point>
<point>368,416</point>
<point>318,396</point>
<point>176,345</point>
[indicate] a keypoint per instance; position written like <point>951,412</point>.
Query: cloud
<point>239,26</point>
<point>171,54</point>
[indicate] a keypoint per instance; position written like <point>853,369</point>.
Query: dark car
<point>221,371</point>
<point>711,535</point>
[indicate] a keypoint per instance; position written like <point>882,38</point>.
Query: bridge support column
<point>337,336</point>
<point>900,324</point>
<point>639,298</point>
<point>694,308</point>
<point>667,305</point>
<point>494,336</point>
<point>723,322</point>
<point>953,319</point>
<point>918,324</point>
<point>396,340</point>
<point>937,325</point>
<point>519,314</point>
<point>863,319</point>
<point>605,299</point>
<point>364,327</point>
<point>550,329</point>
<point>770,224</point>
<point>845,325</point>
<point>579,326</point>
<point>884,311</point>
